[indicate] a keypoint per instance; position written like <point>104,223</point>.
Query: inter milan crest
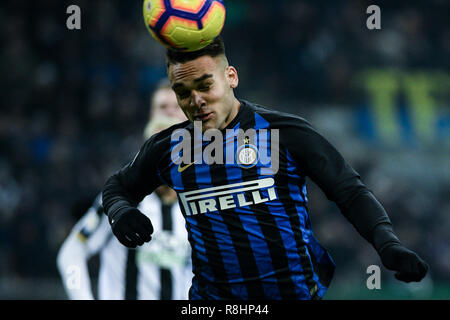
<point>247,155</point>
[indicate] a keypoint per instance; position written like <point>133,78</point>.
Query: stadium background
<point>74,105</point>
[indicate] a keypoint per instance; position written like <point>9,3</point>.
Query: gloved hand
<point>409,266</point>
<point>131,227</point>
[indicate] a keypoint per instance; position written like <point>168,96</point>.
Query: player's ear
<point>232,76</point>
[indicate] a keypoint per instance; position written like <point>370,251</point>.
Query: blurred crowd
<point>74,105</point>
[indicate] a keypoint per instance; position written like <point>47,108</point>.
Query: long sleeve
<point>85,239</point>
<point>72,266</point>
<point>320,161</point>
<point>132,183</point>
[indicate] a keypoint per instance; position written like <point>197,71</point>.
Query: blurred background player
<point>157,271</point>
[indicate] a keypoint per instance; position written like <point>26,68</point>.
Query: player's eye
<point>183,94</point>
<point>204,87</point>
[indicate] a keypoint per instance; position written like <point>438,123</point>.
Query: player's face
<point>165,103</point>
<point>204,89</point>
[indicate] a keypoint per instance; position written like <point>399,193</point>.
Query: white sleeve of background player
<point>87,238</point>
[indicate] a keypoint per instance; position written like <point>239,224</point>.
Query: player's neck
<point>233,114</point>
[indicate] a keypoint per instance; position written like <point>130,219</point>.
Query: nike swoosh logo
<point>181,169</point>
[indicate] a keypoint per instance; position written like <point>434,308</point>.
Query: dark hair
<point>214,49</point>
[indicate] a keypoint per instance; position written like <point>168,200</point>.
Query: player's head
<point>159,123</point>
<point>164,102</point>
<point>203,82</point>
<point>164,109</point>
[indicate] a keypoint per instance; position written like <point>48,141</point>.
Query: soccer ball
<point>184,25</point>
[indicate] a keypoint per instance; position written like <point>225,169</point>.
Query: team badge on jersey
<point>247,155</point>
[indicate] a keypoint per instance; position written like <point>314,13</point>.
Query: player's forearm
<point>370,219</point>
<point>115,197</point>
<point>132,183</point>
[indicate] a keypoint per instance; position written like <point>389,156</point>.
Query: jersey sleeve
<point>134,181</point>
<point>318,159</point>
<point>86,238</point>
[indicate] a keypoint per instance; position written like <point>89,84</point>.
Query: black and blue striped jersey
<point>247,220</point>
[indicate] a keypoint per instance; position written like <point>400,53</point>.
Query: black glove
<point>409,266</point>
<point>131,227</point>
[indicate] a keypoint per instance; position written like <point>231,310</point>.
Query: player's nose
<point>196,100</point>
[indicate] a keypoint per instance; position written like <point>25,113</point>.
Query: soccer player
<point>247,219</point>
<point>160,270</point>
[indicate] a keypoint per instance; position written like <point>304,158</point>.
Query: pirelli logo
<point>227,196</point>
